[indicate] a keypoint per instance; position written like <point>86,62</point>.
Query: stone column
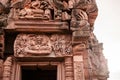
<point>78,63</point>
<point>7,68</point>
<point>68,68</point>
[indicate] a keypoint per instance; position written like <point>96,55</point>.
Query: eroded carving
<point>37,9</point>
<point>33,44</point>
<point>97,61</point>
<point>61,44</point>
<point>79,48</point>
<point>4,10</point>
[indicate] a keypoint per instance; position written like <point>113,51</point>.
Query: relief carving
<point>77,13</point>
<point>37,9</point>
<point>32,44</point>
<point>4,10</point>
<point>35,44</point>
<point>78,70</point>
<point>79,48</point>
<point>61,44</point>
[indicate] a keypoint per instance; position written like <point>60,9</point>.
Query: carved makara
<point>34,44</point>
<point>79,48</point>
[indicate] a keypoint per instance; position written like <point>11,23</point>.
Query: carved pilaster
<point>7,69</point>
<point>68,68</point>
<point>1,69</point>
<point>78,67</point>
<point>81,63</point>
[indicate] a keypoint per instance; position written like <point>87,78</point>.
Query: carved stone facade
<point>50,35</point>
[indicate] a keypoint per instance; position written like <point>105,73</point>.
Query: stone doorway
<point>39,72</point>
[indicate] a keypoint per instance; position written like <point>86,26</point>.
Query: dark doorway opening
<point>39,72</point>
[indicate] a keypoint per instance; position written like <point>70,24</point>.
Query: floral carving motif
<point>61,44</point>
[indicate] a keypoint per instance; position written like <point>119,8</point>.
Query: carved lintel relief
<point>40,44</point>
<point>78,68</point>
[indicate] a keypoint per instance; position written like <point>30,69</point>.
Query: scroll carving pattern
<point>37,9</point>
<point>35,44</point>
<point>80,13</point>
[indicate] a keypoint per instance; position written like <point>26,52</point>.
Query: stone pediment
<point>56,15</point>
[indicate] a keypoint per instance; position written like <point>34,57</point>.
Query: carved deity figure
<point>31,44</point>
<point>61,44</point>
<point>37,9</point>
<point>63,6</point>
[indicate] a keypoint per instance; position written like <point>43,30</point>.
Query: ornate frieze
<point>41,44</point>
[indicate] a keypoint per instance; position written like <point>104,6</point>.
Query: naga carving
<point>36,44</point>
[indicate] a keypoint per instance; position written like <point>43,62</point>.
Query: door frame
<point>60,68</point>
